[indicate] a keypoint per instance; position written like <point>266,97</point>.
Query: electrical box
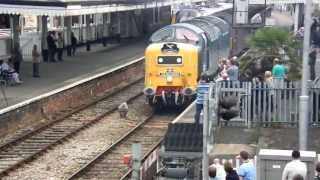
<point>271,163</point>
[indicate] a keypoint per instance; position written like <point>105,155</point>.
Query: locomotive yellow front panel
<point>171,67</point>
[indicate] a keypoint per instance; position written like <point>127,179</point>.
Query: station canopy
<point>78,7</point>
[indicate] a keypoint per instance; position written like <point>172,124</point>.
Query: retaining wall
<point>55,104</point>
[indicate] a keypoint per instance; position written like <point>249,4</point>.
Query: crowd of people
<point>228,69</point>
<point>55,43</point>
<point>246,171</point>
<point>293,170</point>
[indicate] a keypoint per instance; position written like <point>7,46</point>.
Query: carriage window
<point>162,35</point>
<point>186,35</point>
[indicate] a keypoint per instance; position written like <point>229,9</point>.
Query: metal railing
<point>262,104</point>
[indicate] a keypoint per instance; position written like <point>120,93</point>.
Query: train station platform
<point>72,69</point>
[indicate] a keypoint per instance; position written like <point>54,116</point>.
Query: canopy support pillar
<point>44,33</point>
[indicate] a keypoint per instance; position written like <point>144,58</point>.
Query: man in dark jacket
<point>73,44</point>
<point>51,46</point>
<point>312,63</point>
<point>17,57</point>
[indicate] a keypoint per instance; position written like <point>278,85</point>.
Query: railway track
<point>108,164</point>
<point>25,148</point>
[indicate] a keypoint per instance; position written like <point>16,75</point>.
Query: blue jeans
<point>199,108</point>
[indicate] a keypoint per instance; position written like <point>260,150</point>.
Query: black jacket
<point>232,176</point>
<point>51,43</point>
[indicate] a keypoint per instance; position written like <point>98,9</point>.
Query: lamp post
<point>304,98</point>
<point>205,123</point>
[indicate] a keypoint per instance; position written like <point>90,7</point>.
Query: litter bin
<point>271,163</point>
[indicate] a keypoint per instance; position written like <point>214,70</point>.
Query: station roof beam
<point>79,7</point>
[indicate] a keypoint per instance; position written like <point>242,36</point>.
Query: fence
<point>268,104</point>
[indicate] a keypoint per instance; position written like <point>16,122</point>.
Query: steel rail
<point>36,151</point>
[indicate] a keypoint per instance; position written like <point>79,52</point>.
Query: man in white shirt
<point>220,172</point>
<point>295,167</point>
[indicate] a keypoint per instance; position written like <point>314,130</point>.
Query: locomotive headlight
<point>179,60</point>
<point>160,60</point>
<point>169,78</point>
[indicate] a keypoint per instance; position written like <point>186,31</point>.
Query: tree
<point>266,44</point>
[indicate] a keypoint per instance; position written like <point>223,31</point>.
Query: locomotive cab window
<point>169,60</point>
<point>186,35</point>
<point>162,35</point>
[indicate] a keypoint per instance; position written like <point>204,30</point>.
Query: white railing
<point>27,40</point>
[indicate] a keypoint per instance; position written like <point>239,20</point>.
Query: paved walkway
<point>72,69</point>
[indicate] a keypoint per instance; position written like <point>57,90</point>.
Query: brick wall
<point>51,107</point>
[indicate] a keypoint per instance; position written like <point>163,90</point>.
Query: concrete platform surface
<point>273,138</point>
<point>72,69</point>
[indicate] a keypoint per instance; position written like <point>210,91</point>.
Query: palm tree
<point>265,45</point>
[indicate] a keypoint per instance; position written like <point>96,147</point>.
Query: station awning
<point>79,7</point>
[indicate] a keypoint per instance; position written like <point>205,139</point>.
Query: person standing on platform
<point>246,171</point>
<point>278,70</point>
<point>212,173</point>
<point>221,173</point>
<point>233,71</point>
<point>35,61</point>
<point>231,174</point>
<point>51,46</point>
<point>17,58</point>
<point>202,89</point>
<point>73,44</point>
<point>294,167</point>
<point>60,46</point>
<point>278,73</point>
<point>312,63</point>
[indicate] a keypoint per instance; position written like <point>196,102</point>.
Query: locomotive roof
<point>211,26</point>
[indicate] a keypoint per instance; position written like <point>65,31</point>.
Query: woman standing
<point>231,174</point>
<point>60,46</point>
<point>35,61</point>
